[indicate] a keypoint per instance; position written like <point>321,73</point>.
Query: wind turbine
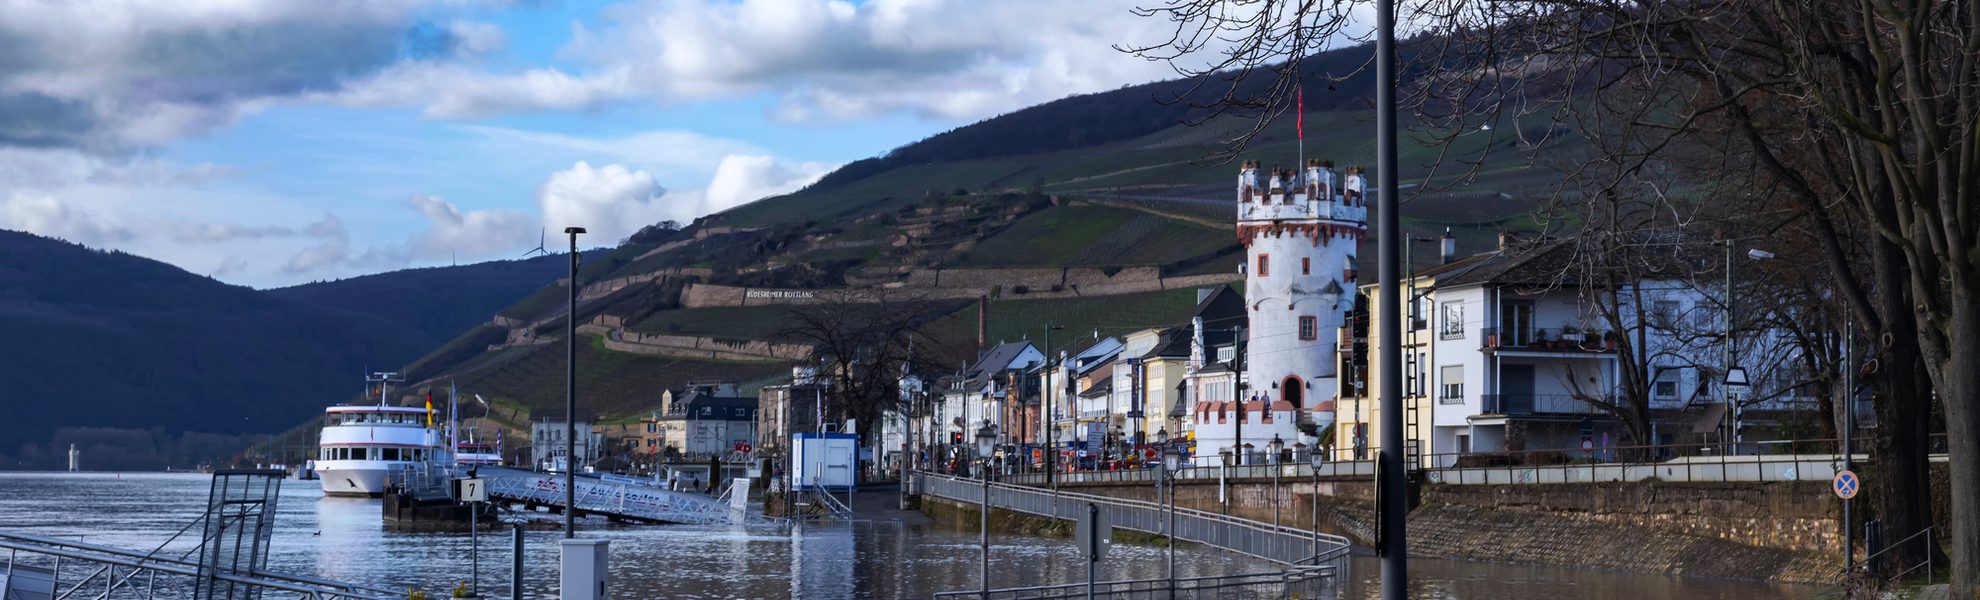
<point>541,237</point>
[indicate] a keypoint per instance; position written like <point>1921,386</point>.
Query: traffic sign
<point>1095,533</point>
<point>473,490</point>
<point>1587,446</point>
<point>1847,484</point>
<point>1150,453</point>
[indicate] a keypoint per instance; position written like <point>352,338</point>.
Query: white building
<point>1300,244</point>
<point>1504,351</point>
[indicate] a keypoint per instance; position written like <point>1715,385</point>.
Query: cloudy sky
<point>273,142</point>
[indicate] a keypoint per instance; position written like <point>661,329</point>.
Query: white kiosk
<point>825,462</point>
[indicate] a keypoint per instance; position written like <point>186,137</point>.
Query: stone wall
<point>961,284</point>
<point>1777,531</point>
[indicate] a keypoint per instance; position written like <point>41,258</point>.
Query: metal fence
<point>46,568</point>
<point>1284,545</point>
<point>1301,582</point>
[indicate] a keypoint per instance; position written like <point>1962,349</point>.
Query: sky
<point>274,142</point>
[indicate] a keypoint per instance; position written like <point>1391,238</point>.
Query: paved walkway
<point>882,502</point>
<point>1942,591</point>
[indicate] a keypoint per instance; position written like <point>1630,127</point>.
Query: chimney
<point>1450,246</point>
<point>1507,239</point>
<point>982,322</point>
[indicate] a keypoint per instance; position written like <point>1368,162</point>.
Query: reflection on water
<point>344,539</point>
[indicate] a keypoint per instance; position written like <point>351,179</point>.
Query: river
<point>345,539</point>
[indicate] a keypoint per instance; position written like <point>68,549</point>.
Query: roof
<point>682,408</point>
<point>1554,262</point>
<point>996,359</point>
<point>584,415</point>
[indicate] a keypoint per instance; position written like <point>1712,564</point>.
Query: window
<point>1453,382</point>
<point>1306,265</point>
<point>1453,324</point>
<point>649,426</point>
<point>1264,265</point>
<point>1309,328</point>
<point>1663,314</point>
<point>1666,385</point>
<point>1226,353</point>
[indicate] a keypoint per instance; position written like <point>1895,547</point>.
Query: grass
<point>728,322</point>
<point>612,383</point>
<point>1047,238</point>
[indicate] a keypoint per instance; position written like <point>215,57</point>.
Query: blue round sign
<point>1847,484</point>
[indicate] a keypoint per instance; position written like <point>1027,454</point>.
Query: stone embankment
<point>1775,531</point>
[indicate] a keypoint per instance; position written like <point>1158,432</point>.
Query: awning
<point>1709,422</point>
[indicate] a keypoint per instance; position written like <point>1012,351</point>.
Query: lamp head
<point>573,230</point>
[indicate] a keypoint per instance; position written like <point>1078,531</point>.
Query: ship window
<point>391,454</point>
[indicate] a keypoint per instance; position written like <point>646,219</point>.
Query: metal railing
<point>1261,469</point>
<point>1528,404</point>
<point>1301,582</point>
<point>1540,338</point>
<point>1277,543</point>
<point>619,499</point>
<point>1777,460</point>
<point>1871,560</point>
<point>40,567</point>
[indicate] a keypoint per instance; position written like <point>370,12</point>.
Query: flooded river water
<point>345,539</point>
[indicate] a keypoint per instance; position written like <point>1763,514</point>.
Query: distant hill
<point>98,339</point>
<point>440,302</point>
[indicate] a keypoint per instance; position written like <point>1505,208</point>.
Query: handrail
<point>142,557</point>
<point>1927,532</point>
<point>1218,518</point>
<point>282,581</point>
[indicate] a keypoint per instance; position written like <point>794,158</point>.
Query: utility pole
<point>1237,391</point>
<point>1388,233</point>
<point>1849,433</point>
<point>570,395</point>
<point>1048,453</point>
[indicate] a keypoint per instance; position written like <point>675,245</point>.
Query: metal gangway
<point>621,498</point>
<point>1280,544</point>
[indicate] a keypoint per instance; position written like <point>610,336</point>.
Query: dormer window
<point>1226,353</point>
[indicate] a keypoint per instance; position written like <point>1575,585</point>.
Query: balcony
<point>1532,338</point>
<point>1347,339</point>
<point>1536,404</point>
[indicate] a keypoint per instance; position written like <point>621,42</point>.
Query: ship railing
<point>47,568</point>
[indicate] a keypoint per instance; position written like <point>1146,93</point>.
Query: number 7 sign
<point>472,490</point>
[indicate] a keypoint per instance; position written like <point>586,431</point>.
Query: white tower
<point>1300,246</point>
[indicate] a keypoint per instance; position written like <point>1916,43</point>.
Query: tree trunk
<point>1959,390</point>
<point>1904,417</point>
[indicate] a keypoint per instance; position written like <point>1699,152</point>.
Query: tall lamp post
<point>1047,452</point>
<point>1171,464</point>
<point>986,442</point>
<point>570,395</point>
<point>1275,446</point>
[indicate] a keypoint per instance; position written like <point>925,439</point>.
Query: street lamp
<point>986,440</point>
<point>1171,466</point>
<point>1275,446</point>
<point>570,395</point>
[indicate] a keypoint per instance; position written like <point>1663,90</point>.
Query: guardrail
<point>1302,582</point>
<point>35,568</point>
<point>1280,544</point>
<point>1285,470</point>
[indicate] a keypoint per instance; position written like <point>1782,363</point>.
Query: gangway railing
<point>48,568</point>
<point>620,499</point>
<point>1276,543</point>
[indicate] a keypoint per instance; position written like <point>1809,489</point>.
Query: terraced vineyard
<point>608,382</point>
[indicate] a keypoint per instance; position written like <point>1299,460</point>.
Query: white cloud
<point>610,202</point>
<point>476,39</point>
<point>473,234</point>
<point>744,179</point>
<point>825,59</point>
<point>48,217</point>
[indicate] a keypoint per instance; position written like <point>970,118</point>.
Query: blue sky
<point>271,142</point>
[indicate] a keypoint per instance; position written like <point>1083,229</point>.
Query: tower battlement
<point>1320,195</point>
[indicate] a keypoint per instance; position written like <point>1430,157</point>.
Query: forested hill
<point>440,302</point>
<point>107,339</point>
<point>1090,120</point>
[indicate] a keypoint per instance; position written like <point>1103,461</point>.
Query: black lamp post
<point>986,442</point>
<point>570,395</point>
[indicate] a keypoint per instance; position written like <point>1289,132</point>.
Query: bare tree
<point>1864,112</point>
<point>862,340</point>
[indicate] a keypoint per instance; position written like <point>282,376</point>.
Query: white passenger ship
<point>360,444</point>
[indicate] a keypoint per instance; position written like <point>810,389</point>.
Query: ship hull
<point>355,482</point>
